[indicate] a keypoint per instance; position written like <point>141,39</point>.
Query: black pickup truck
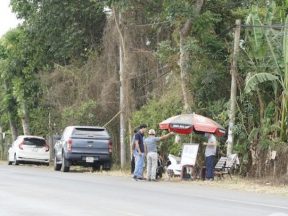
<point>85,146</point>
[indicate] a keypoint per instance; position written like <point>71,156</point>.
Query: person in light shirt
<point>210,153</point>
<point>150,144</point>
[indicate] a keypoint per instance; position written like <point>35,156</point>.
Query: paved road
<point>34,191</point>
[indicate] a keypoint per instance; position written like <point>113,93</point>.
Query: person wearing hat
<point>150,144</point>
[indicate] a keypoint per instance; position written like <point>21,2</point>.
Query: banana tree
<point>269,39</point>
<point>284,83</point>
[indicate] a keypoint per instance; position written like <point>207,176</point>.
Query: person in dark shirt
<point>139,152</point>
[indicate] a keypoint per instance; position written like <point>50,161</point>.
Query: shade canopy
<point>188,123</point>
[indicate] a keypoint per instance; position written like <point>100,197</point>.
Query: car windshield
<point>34,141</point>
<point>90,132</point>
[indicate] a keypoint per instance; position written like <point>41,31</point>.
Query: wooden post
<point>233,72</point>
<point>122,108</point>
<point>123,86</point>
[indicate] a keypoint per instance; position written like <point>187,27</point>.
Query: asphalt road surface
<point>40,191</point>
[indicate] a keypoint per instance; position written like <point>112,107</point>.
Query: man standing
<point>210,152</point>
<point>151,150</point>
<point>139,152</point>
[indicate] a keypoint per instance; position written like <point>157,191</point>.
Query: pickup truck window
<point>90,132</point>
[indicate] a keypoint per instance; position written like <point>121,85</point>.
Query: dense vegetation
<point>89,62</point>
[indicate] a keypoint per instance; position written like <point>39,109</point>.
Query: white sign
<point>273,155</point>
<point>189,154</point>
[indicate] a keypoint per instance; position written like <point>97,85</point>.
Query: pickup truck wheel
<point>65,164</point>
<point>57,167</point>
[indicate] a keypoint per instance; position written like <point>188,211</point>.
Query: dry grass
<point>236,183</point>
<point>243,184</point>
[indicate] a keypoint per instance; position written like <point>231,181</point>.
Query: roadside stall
<point>186,124</point>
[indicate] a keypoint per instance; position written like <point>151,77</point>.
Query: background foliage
<point>62,65</point>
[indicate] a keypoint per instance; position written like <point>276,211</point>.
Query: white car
<point>28,149</point>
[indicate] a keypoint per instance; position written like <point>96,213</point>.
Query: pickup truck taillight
<point>110,146</point>
<point>69,145</point>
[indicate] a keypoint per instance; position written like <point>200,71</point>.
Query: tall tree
<point>8,101</point>
<point>184,55</point>
<point>20,74</point>
<point>62,30</point>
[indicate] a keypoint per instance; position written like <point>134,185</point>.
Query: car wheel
<point>16,162</point>
<point>57,167</point>
<point>65,164</point>
<point>9,162</point>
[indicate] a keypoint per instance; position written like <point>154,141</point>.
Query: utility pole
<point>233,72</point>
<point>122,108</point>
<point>123,87</point>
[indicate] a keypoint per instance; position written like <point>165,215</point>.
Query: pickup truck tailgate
<point>90,146</point>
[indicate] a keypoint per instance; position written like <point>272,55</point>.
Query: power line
<point>275,26</point>
<point>149,24</point>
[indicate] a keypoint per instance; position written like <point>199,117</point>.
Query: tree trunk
<point>25,119</point>
<point>233,72</point>
<point>13,127</point>
<point>184,71</point>
<point>261,106</point>
<point>185,58</point>
<point>11,116</point>
<point>253,171</point>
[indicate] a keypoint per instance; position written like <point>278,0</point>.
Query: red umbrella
<point>187,123</point>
